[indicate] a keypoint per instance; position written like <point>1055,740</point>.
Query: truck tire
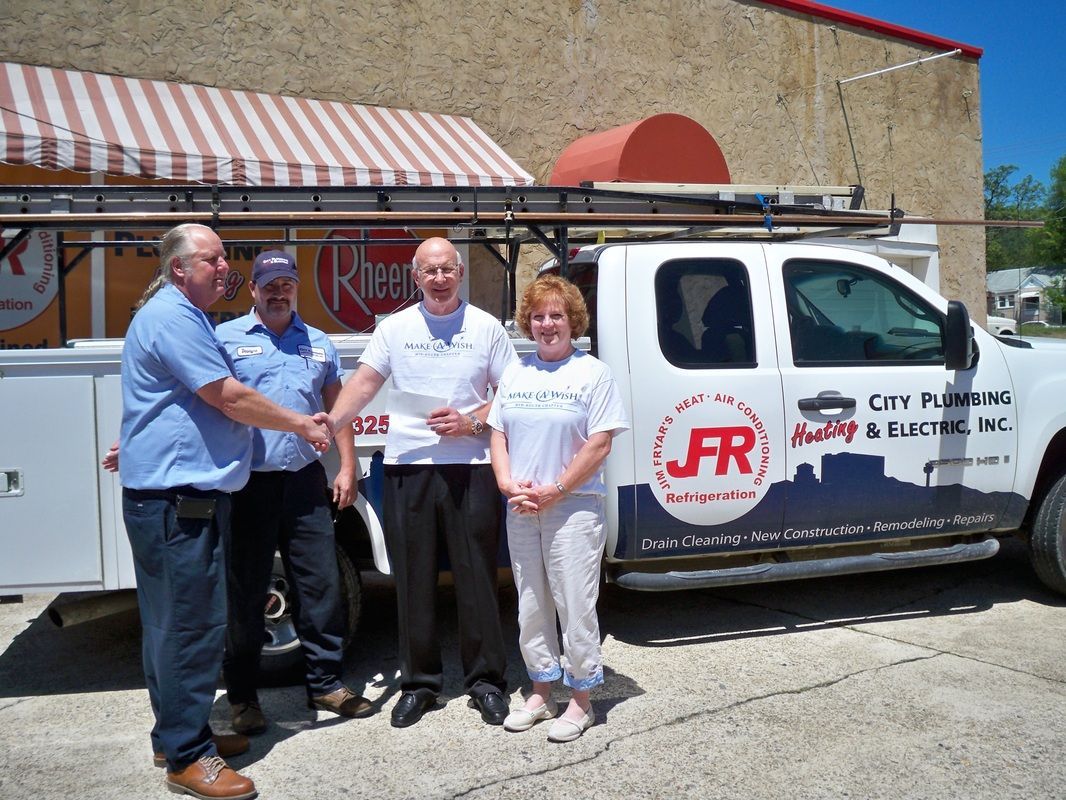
<point>1047,540</point>
<point>282,658</point>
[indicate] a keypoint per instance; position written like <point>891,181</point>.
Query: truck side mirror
<point>958,337</point>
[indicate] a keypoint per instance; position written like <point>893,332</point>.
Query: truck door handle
<point>825,400</point>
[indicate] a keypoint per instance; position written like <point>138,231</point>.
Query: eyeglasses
<point>447,270</point>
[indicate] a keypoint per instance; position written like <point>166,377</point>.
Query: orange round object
<point>665,148</point>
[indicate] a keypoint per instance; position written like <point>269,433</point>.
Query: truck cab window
<point>703,309</point>
<point>841,313</point>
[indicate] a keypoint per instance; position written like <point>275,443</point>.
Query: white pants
<point>555,556</point>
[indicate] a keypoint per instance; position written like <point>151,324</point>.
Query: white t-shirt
<point>549,409</point>
<point>457,356</point>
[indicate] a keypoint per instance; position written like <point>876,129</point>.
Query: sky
<point>1023,86</point>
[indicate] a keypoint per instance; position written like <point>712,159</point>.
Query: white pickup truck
<point>803,410</point>
<point>798,410</point>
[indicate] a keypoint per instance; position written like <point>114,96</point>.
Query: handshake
<point>317,431</point>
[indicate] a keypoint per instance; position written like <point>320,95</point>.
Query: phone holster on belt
<point>195,507</point>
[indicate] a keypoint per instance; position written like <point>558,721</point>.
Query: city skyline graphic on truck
<point>807,510</point>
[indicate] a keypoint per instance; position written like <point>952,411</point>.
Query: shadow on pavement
<point>104,654</point>
<point>101,655</point>
<point>669,619</point>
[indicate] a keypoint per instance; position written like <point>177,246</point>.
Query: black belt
<point>171,494</point>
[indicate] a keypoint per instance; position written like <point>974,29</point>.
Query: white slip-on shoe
<point>566,730</point>
<point>523,720</point>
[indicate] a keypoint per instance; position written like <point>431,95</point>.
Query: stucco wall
<point>536,76</point>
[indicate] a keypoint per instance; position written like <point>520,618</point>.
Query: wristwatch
<point>476,425</point>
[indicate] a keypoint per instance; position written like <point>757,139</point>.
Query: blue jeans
<point>290,512</point>
<point>181,592</point>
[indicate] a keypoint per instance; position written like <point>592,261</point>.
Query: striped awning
<point>89,122</point>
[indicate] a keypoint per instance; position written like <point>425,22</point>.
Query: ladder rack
<point>489,214</point>
<point>559,218</point>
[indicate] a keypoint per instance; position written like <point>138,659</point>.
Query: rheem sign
<point>356,282</point>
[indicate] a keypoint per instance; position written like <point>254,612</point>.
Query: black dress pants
<point>458,507</point>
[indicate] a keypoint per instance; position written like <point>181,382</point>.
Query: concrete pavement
<point>937,683</point>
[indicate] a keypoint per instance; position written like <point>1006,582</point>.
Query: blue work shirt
<point>291,369</point>
<point>170,437</point>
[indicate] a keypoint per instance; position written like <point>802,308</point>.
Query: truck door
<point>882,441</point>
<point>706,400</point>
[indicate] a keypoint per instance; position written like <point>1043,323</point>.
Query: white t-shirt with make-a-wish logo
<point>457,357</point>
<point>549,409</point>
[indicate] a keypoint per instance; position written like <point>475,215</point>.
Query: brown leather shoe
<point>227,745</point>
<point>344,702</point>
<point>211,778</point>
<point>248,718</point>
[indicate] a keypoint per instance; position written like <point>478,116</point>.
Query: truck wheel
<point>1047,540</point>
<point>281,653</point>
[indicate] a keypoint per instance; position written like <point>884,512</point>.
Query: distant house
<point>1019,293</point>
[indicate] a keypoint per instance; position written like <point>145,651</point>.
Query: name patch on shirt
<point>313,353</point>
<point>250,350</point>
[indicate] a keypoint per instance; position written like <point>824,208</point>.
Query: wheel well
<point>1051,468</point>
<point>353,536</point>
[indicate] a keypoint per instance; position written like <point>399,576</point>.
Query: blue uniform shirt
<point>170,437</point>
<point>291,370</point>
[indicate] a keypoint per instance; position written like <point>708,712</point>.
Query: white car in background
<point>1001,326</point>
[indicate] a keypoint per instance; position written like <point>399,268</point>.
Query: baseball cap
<point>273,264</point>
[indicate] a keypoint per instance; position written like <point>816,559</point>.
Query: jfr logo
<point>723,443</point>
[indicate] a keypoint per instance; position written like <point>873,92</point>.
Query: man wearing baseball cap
<point>286,503</point>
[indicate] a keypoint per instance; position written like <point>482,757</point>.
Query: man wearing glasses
<point>439,486</point>
<point>286,503</point>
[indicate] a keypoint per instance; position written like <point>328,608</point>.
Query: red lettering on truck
<point>723,443</point>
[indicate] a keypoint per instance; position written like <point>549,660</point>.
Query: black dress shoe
<point>410,708</point>
<point>493,707</point>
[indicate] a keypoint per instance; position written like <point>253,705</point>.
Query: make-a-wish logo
<point>443,346</point>
<point>545,396</point>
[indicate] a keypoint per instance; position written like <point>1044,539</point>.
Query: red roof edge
<point>875,25</point>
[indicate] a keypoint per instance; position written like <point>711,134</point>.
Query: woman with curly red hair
<point>553,418</point>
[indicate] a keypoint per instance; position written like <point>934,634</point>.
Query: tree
<point>1026,199</point>
<point>997,189</point>
<point>1055,225</point>
<point>1055,294</point>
